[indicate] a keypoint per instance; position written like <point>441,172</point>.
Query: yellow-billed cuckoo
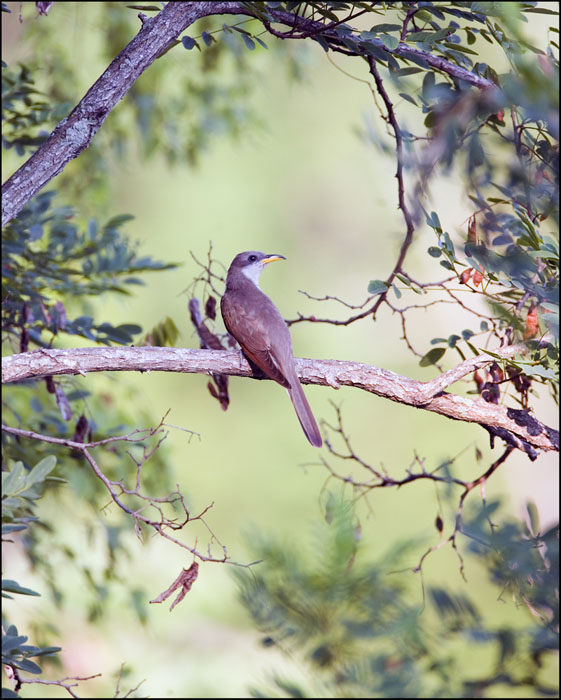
<point>256,323</point>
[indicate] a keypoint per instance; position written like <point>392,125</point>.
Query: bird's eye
<point>252,258</point>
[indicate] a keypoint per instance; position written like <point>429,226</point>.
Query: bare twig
<point>468,487</point>
<point>117,489</point>
<point>62,683</point>
<point>378,478</point>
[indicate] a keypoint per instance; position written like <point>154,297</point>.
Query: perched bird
<point>256,323</point>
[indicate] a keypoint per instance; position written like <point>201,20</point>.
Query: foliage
<point>26,111</point>
<point>52,265</point>
<point>510,250</point>
<point>48,259</point>
<point>176,117</point>
<point>20,492</point>
<point>50,270</point>
<point>354,627</point>
<point>449,112</point>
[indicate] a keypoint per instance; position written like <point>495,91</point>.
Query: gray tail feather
<point>304,413</point>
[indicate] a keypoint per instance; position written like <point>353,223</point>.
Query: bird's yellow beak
<point>272,258</point>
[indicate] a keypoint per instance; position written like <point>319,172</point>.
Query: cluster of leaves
<point>21,489</point>
<point>50,271</point>
<point>211,99</point>
<point>354,627</point>
<point>511,253</point>
<point>69,266</point>
<point>52,266</point>
<point>505,139</point>
<point>250,40</point>
<point>48,265</point>
<point>27,114</point>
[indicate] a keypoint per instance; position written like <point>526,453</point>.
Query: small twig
<point>416,472</point>
<point>61,683</point>
<point>468,487</point>
<point>117,489</point>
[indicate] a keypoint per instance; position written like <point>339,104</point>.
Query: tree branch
<point>310,27</point>
<point>517,427</point>
<point>75,132</point>
<point>118,491</point>
<point>378,478</point>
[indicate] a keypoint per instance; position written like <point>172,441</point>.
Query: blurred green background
<point>301,182</point>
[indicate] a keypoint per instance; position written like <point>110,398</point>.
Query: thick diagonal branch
<point>76,131</point>
<point>517,427</point>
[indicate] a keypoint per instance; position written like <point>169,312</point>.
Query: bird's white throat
<point>253,273</point>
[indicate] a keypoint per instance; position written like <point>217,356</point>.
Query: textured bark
<point>516,427</point>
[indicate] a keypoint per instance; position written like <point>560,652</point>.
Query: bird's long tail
<point>304,413</point>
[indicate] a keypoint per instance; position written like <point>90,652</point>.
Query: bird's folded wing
<point>266,361</point>
<point>250,327</point>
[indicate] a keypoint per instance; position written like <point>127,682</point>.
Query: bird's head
<point>251,264</point>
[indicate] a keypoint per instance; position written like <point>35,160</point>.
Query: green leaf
<point>129,328</point>
<point>403,279</point>
<point>322,42</point>
<point>14,587</point>
<point>27,665</point>
<point>539,371</point>
<point>382,28</point>
<point>408,98</point>
<point>541,11</point>
<point>534,517</point>
<point>434,222</point>
<point>121,219</point>
<point>407,71</point>
<point>145,8</point>
<point>470,36</point>
<point>46,651</point>
<point>483,351</point>
<point>459,47</point>
<point>10,641</point>
<point>377,287</point>
<point>40,470</point>
<point>428,85</point>
<point>7,528</point>
<point>207,38</point>
<point>13,481</point>
<point>248,41</point>
<point>389,41</point>
<point>432,357</point>
<point>419,36</point>
<point>188,42</point>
